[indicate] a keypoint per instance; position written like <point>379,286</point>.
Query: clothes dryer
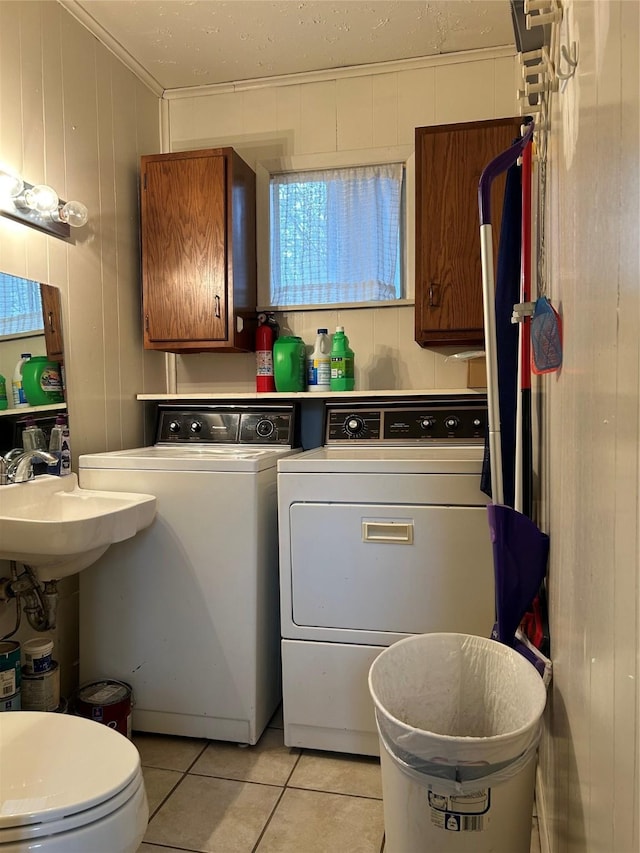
<point>187,611</point>
<point>383,534</point>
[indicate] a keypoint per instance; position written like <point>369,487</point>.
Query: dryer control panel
<point>441,420</point>
<point>226,425</point>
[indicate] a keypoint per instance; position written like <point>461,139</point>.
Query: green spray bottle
<point>342,362</point>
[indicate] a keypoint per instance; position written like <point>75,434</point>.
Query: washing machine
<point>383,534</point>
<point>187,611</point>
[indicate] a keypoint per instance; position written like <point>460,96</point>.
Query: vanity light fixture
<point>38,205</point>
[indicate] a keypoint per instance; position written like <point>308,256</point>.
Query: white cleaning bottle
<point>19,399</point>
<point>65,450</point>
<point>319,363</point>
<point>55,443</point>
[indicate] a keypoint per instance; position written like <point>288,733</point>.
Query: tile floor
<point>215,797</point>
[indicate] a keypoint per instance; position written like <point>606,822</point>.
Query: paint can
<point>107,702</point>
<point>41,690</point>
<point>10,703</point>
<point>37,654</point>
<point>9,668</point>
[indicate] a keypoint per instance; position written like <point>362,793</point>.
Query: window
<point>20,306</point>
<point>336,235</point>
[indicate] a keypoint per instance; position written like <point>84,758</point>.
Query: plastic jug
<point>289,362</point>
<point>342,359</point>
<point>4,403</point>
<point>19,399</point>
<point>41,381</point>
<point>319,363</point>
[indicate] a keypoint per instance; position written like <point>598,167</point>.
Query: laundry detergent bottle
<point>289,362</point>
<point>342,362</point>
<point>41,381</point>
<point>4,403</point>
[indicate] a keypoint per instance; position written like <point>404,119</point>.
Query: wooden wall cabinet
<point>52,320</point>
<point>198,224</point>
<point>449,162</point>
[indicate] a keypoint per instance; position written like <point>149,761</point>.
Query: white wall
<point>589,759</point>
<point>342,113</point>
<point>74,117</point>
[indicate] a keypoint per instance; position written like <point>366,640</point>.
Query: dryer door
<point>397,568</point>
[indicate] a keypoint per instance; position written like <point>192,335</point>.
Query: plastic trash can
<point>459,719</point>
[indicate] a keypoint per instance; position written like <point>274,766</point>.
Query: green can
<point>41,381</point>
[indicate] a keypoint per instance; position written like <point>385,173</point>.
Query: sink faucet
<point>20,468</point>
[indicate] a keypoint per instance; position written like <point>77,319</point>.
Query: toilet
<point>68,785</point>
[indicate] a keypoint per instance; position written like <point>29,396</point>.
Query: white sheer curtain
<point>20,307</point>
<point>335,235</point>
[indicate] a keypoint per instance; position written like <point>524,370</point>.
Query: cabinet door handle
<point>51,326</point>
<point>433,295</point>
<point>217,311</point>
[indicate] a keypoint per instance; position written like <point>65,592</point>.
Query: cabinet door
<point>184,239</point>
<point>52,319</point>
<point>449,162</point>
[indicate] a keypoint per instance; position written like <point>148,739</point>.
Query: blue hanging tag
<point>546,338</point>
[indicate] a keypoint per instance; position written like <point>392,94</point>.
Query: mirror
<point>30,321</point>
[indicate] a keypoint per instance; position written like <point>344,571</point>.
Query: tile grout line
<point>254,849</point>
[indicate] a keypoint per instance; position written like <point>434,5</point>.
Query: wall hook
<point>570,56</point>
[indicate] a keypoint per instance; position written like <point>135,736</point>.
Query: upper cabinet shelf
<point>449,161</point>
<point>198,223</point>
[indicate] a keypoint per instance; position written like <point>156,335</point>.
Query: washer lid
<point>54,766</point>
<point>188,457</point>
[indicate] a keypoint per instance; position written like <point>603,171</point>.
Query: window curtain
<point>335,235</point>
<point>20,306</point>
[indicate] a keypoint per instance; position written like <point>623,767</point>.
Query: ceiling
<point>184,43</point>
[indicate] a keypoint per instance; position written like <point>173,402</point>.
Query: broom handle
<point>498,165</point>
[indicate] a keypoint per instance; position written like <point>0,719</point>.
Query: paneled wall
<point>353,114</point>
<point>590,764</point>
<point>73,116</point>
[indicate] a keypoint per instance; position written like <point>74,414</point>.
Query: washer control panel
<point>441,420</point>
<point>225,425</point>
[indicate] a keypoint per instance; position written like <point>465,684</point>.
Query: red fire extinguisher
<point>266,334</point>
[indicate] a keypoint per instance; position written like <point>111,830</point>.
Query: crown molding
<point>344,72</point>
<point>129,61</point>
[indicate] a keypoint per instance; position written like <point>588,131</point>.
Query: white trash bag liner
<point>457,708</point>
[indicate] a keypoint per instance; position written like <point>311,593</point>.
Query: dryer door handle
<point>396,532</point>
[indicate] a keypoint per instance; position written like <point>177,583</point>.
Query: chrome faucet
<point>20,468</point>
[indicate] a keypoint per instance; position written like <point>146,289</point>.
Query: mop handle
<point>498,165</point>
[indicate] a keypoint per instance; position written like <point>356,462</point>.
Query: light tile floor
<point>215,797</point>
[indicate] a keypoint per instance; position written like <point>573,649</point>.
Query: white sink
<point>59,529</point>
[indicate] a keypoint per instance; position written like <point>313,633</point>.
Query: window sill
<point>337,306</point>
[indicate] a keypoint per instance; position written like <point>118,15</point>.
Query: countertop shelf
<point>305,395</point>
<point>24,411</point>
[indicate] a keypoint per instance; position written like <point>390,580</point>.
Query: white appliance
<point>187,612</point>
<point>383,534</point>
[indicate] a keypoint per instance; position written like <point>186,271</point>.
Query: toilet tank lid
<point>56,765</point>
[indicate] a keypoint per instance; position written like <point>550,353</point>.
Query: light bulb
<point>74,213</point>
<point>11,184</point>
<point>42,198</point>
